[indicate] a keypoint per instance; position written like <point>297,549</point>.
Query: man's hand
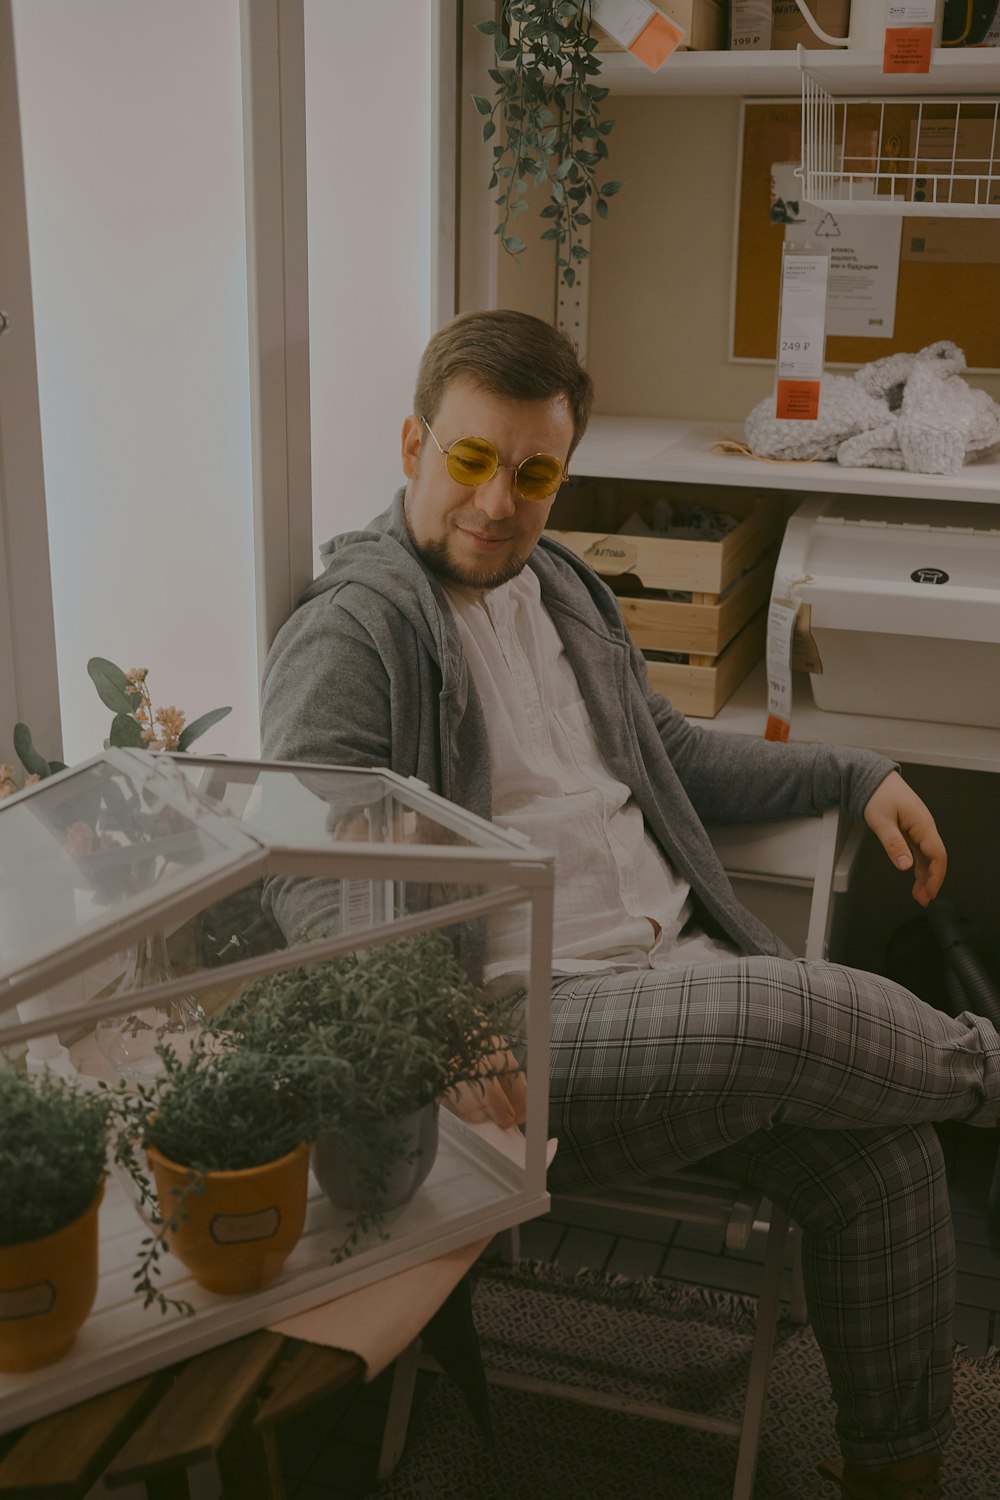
<point>908,833</point>
<point>500,1095</point>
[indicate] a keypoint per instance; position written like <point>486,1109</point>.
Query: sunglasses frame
<point>514,468</point>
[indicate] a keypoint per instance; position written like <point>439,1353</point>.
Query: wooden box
<point>719,621</point>
<point>588,513</point>
<point>700,688</point>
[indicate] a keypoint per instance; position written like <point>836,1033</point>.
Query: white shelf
<point>954,70</point>
<point>911,741</point>
<point>654,448</point>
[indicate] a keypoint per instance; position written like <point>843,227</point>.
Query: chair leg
<point>397,1417</point>
<point>509,1245</point>
<point>797,1309</point>
<point>760,1357</point>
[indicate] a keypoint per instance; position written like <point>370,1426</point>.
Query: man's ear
<point>412,437</point>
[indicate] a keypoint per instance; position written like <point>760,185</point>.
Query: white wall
<point>368,137</point>
<point>131,119</point>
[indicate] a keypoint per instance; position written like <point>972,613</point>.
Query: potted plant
<point>53,1139</point>
<point>226,1134</point>
<point>550,131</point>
<point>378,1036</point>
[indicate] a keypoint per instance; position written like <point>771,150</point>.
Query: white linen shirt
<point>618,902</point>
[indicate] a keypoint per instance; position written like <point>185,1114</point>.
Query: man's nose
<point>497,498</point>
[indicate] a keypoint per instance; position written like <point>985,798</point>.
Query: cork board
<point>954,297</point>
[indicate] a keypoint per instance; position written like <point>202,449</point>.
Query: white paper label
<point>803,316</point>
<point>864,266</point>
<point>910,13</point>
<point>623,19</point>
<point>750,26</point>
<point>780,624</point>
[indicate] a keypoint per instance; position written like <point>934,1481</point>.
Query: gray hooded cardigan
<point>369,671</point>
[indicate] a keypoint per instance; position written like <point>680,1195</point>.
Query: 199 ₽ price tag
<point>801,334</point>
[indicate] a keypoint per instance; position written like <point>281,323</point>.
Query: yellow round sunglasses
<point>474,460</point>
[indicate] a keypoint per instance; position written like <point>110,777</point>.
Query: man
<point>454,642</point>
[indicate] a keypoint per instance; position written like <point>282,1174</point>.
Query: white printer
<point>904,604</point>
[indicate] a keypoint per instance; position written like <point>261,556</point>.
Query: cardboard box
<point>704,21</point>
<point>779,26</point>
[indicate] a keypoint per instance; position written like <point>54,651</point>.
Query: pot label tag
<point>241,1229</point>
<point>26,1301</point>
<point>645,31</point>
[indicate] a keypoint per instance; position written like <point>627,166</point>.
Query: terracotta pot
<point>239,1232</point>
<point>413,1139</point>
<point>47,1288</point>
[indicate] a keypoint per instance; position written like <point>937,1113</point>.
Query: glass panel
<point>316,808</point>
<point>79,852</point>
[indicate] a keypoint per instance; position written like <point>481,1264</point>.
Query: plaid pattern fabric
<point>818,1083</point>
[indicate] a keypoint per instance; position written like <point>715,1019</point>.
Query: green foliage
<point>386,1030</point>
<point>136,724</point>
<point>53,1138</point>
<point>220,1109</point>
<point>112,686</point>
<point>548,101</point>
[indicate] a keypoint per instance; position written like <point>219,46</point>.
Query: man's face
<point>480,535</point>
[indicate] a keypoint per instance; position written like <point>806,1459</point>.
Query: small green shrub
<point>53,1139</point>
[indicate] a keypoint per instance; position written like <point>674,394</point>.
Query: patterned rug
<point>653,1341</point>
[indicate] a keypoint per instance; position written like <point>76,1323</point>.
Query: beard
<point>445,568</point>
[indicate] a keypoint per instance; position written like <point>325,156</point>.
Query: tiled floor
<point>330,1453</point>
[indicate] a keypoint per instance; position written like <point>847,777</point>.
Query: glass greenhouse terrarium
<point>156,909</point>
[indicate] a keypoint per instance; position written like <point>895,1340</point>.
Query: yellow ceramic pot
<point>239,1232</point>
<point>47,1288</point>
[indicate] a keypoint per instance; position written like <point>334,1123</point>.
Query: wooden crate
<point>706,625</point>
<point>588,513</point>
<point>701,690</point>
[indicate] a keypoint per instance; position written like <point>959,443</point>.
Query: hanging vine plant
<point>546,117</point>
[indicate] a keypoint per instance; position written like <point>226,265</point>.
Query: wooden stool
<point>62,1456</point>
<point>204,1412</point>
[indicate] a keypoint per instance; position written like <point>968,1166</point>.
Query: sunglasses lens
<point>472,460</point>
<point>539,477</point>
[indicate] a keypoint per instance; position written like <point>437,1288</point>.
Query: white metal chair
<point>790,872</point>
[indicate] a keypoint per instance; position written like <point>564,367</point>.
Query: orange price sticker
<point>798,399</point>
<point>777,729</point>
<point>907,49</point>
<point>657,41</point>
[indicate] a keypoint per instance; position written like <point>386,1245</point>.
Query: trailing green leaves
<point>548,103</point>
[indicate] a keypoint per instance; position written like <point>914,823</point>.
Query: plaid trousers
<point>818,1084</point>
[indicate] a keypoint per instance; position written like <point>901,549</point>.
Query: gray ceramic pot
<point>341,1173</point>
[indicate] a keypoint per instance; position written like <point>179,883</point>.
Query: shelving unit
<point>954,70</point>
<point>915,742</point>
<point>652,449</point>
<point>656,448</point>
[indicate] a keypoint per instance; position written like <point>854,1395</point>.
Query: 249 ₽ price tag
<point>801,333</point>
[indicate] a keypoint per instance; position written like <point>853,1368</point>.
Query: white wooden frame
<point>274,148</point>
<point>29,688</point>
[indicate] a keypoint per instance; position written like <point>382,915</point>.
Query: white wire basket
<point>937,157</point>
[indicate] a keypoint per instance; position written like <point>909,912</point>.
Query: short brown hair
<point>509,354</point>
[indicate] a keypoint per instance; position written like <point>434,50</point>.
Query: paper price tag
<point>911,13</point>
<point>780,624</point>
<point>909,36</point>
<point>801,334</point>
<point>645,31</point>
